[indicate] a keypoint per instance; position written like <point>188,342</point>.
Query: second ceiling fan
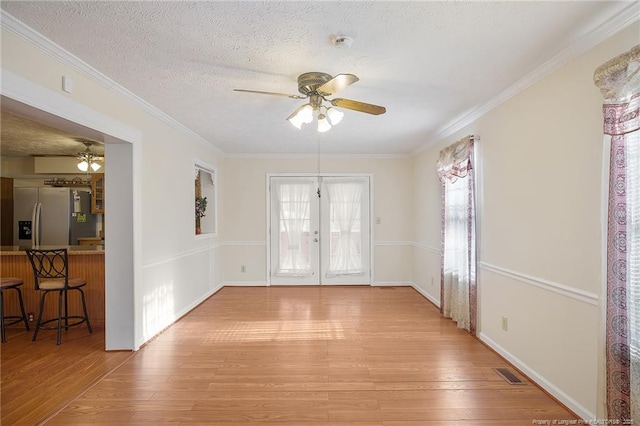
<point>315,86</point>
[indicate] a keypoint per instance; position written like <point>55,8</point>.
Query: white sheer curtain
<point>294,205</point>
<point>345,200</point>
<point>456,260</point>
<point>458,281</point>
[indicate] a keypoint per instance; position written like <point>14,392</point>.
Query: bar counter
<point>84,262</point>
<point>19,250</point>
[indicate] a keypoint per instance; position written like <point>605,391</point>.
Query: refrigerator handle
<point>33,224</point>
<point>35,231</point>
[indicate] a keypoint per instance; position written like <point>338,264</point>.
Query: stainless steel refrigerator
<point>52,216</point>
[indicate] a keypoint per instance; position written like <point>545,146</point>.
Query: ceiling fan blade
<point>271,93</point>
<point>358,106</point>
<point>337,83</point>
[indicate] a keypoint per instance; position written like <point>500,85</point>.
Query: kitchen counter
<point>73,250</point>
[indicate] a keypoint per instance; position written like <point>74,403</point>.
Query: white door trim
<point>123,252</point>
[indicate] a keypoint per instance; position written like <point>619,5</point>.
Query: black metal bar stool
<point>51,273</point>
<point>11,283</point>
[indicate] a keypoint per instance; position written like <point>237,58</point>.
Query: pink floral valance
<point>455,160</point>
<point>622,118</point>
<point>619,76</point>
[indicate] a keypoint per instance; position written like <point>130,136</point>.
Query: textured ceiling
<point>21,137</point>
<point>428,63</point>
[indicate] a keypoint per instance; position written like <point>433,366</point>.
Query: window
<point>345,213</point>
<point>205,200</point>
<point>618,80</point>
<point>458,288</point>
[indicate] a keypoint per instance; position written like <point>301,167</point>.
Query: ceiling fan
<point>315,86</point>
<point>88,159</point>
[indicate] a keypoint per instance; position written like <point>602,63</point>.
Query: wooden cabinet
<point>90,241</point>
<point>6,212</point>
<point>97,193</point>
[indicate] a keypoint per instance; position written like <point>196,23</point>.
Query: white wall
<point>539,222</point>
<point>171,270</point>
<point>244,207</point>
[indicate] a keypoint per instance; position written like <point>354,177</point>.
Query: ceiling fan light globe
<point>83,165</point>
<point>296,121</point>
<point>95,166</point>
<point>306,114</point>
<point>334,115</point>
<point>323,123</point>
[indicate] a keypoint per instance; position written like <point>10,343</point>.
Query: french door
<point>319,230</point>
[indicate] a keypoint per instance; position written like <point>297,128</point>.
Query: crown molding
<point>28,34</point>
<point>596,35</point>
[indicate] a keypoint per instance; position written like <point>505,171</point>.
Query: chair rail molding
<point>426,247</point>
<point>392,243</point>
<point>243,243</point>
<point>180,256</point>
<point>570,292</point>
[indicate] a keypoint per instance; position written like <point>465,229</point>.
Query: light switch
<point>67,84</point>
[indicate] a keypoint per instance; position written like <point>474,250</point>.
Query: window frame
<point>212,201</point>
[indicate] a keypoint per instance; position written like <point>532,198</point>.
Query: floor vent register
<point>508,376</point>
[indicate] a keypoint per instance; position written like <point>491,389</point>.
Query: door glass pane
<point>345,222</point>
<point>294,228</point>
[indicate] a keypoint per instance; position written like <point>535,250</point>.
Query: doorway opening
<point>122,146</point>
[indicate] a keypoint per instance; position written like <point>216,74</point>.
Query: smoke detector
<point>341,41</point>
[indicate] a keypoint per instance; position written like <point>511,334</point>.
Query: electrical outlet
<point>433,280</point>
<point>243,268</point>
<point>30,316</point>
<point>505,323</point>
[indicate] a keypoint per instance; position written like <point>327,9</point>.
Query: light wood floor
<point>310,356</point>
<point>40,378</point>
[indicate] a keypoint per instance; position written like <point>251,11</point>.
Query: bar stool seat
<point>6,284</point>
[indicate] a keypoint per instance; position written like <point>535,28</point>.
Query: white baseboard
<point>391,284</point>
<point>244,284</point>
<point>557,393</point>
<point>264,283</point>
<point>425,294</point>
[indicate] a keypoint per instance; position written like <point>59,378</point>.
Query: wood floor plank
<point>241,395</point>
<point>301,417</point>
<point>316,356</point>
<point>247,405</point>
